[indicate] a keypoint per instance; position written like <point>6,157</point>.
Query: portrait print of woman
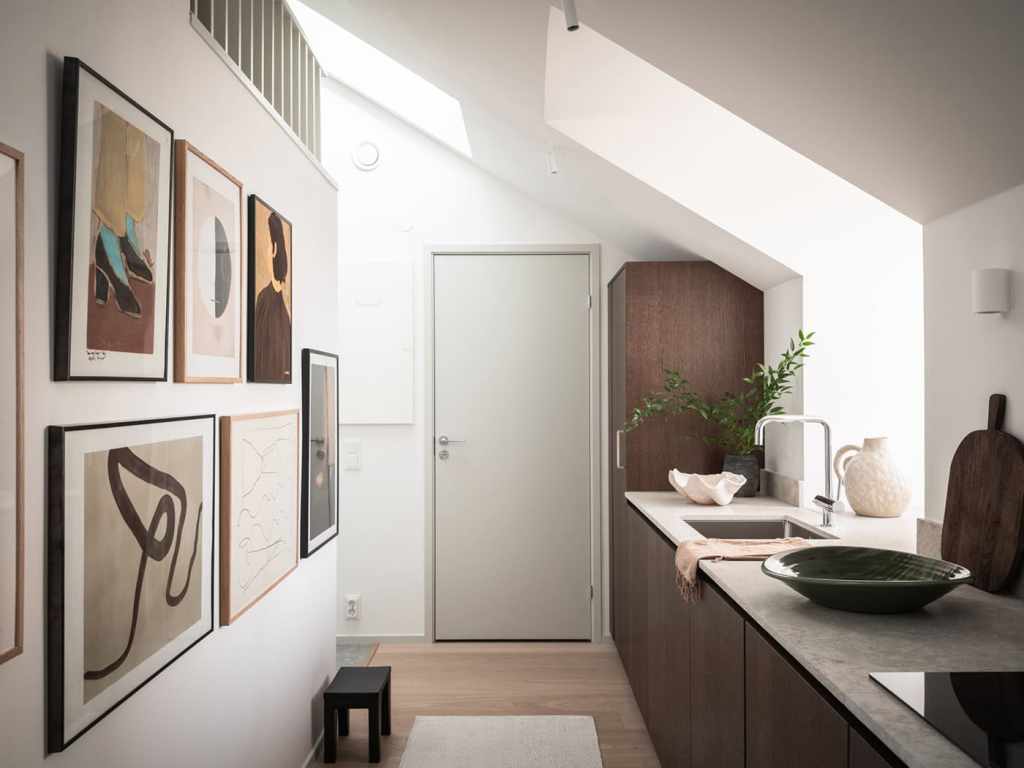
<point>270,294</point>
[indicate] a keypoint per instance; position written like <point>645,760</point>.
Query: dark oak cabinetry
<point>712,689</point>
<point>688,315</point>
<point>788,722</point>
<point>717,684</point>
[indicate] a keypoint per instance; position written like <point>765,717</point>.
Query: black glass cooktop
<point>980,712</point>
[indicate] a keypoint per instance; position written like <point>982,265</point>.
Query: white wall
<point>859,259</point>
<point>783,317</point>
<point>247,694</point>
<point>968,356</point>
<point>420,194</point>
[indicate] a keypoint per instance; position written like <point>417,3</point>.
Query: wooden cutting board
<point>985,503</point>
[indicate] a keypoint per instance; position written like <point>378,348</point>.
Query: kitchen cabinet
<point>668,657</point>
<point>863,755</point>
<point>687,315</point>
<point>713,691</point>
<point>717,682</point>
<point>788,722</point>
<point>652,629</point>
<point>639,631</point>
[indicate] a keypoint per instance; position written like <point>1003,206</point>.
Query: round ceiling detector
<point>366,156</point>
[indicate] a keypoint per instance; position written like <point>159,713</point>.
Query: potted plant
<point>734,416</point>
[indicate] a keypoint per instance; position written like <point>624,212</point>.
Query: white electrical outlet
<point>353,607</point>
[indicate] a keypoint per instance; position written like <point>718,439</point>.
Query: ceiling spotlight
<point>572,22</point>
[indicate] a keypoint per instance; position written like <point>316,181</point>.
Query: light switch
<point>352,455</point>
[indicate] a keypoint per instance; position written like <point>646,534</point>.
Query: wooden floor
<point>507,679</point>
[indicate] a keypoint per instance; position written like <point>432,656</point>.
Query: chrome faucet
<point>826,502</point>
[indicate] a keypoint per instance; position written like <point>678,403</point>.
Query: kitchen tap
<point>826,502</point>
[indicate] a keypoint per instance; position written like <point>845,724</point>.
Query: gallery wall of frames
<point>187,472</point>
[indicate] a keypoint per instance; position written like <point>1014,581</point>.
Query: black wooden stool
<point>366,688</point>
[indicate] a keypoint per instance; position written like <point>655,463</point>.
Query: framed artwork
<point>270,295</point>
<point>259,517</point>
<point>319,449</point>
<point>130,561</point>
<point>207,270</point>
<point>12,403</point>
<point>112,272</point>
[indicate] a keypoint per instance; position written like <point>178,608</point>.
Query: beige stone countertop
<point>967,630</point>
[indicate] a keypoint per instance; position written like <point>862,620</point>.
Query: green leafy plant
<point>733,415</point>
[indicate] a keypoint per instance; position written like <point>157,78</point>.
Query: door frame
<point>593,254</point>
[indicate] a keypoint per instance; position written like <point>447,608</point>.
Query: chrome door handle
<point>618,449</point>
<point>445,440</point>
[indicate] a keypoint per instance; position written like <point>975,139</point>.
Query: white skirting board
<point>312,753</point>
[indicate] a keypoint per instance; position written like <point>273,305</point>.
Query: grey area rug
<point>502,742</point>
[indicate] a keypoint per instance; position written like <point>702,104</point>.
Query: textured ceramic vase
<point>875,486</point>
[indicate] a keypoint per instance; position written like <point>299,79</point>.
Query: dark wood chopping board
<point>984,519</point>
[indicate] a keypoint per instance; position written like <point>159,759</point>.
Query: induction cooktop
<point>980,712</point>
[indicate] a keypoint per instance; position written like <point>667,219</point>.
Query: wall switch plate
<point>352,455</point>
<point>353,607</point>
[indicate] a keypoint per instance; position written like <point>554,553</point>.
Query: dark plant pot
<point>747,466</point>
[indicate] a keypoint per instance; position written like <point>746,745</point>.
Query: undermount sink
<point>756,529</point>
<point>865,579</point>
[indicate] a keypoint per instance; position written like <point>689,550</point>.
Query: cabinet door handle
<point>618,450</point>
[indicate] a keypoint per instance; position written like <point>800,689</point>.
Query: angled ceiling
<point>917,102</point>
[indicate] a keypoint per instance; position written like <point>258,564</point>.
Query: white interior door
<point>512,464</point>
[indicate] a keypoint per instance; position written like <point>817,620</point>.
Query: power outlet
<point>353,607</point>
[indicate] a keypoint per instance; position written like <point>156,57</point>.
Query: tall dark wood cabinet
<point>692,316</point>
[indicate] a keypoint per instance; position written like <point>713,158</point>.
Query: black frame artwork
<point>65,350</point>
<point>252,374</point>
<point>60,547</point>
<point>307,354</point>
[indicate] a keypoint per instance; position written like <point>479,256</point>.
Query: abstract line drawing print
<point>265,521</point>
<point>259,506</point>
<point>144,515</point>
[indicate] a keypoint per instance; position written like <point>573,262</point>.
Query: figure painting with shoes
<point>125,167</point>
<point>113,258</point>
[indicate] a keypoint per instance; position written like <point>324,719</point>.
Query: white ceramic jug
<point>874,484</point>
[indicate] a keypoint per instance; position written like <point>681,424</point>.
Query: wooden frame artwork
<point>112,272</point>
<point>130,561</point>
<point>320,478</point>
<point>208,276</point>
<point>12,473</point>
<point>271,309</point>
<point>259,518</point>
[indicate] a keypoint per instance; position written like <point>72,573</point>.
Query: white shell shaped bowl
<point>706,489</point>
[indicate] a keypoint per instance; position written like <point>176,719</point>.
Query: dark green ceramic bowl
<point>864,579</point>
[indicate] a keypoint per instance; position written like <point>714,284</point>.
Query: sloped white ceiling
<point>915,102</point>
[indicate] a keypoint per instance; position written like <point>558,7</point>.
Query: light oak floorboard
<point>507,679</point>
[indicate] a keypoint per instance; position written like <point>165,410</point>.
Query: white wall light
<point>990,291</point>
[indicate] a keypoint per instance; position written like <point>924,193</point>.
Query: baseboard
<point>381,639</point>
<point>312,753</point>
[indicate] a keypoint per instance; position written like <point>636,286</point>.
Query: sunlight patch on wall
<point>378,77</point>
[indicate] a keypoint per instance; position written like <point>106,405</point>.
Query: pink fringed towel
<point>690,553</point>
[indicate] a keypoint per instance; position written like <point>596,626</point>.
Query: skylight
<point>383,80</point>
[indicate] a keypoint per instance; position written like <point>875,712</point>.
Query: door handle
<point>618,450</point>
<point>445,440</point>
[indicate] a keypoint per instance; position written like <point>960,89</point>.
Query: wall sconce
<point>990,291</point>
